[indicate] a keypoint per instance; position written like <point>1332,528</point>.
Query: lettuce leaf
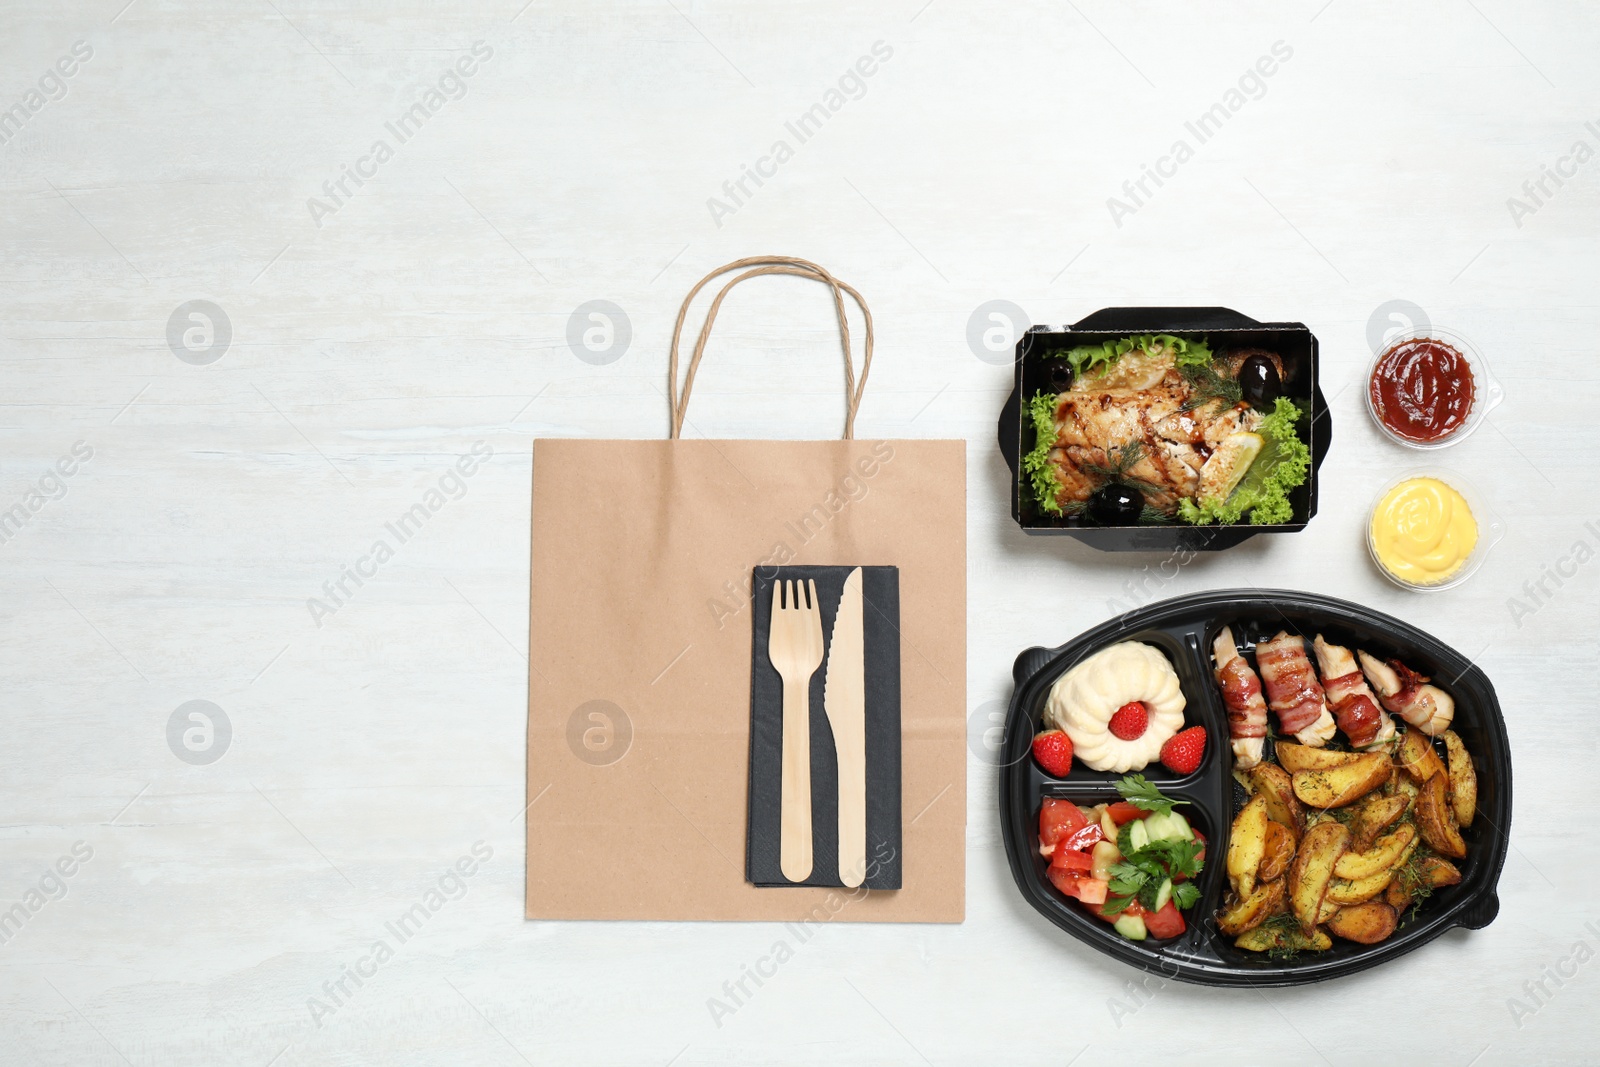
<point>1085,359</point>
<point>1046,484</point>
<point>1283,465</point>
<point>1097,359</point>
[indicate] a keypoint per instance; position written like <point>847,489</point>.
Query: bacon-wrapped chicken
<point>1241,692</point>
<point>1355,709</point>
<point>1293,692</point>
<point>1405,693</point>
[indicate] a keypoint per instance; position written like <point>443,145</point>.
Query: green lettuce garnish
<point>1097,359</point>
<point>1042,475</point>
<point>1283,464</point>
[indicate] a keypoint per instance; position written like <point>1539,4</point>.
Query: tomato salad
<point>1131,862</point>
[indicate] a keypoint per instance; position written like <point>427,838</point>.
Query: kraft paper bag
<point>643,555</point>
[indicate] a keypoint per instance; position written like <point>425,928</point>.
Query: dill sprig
<point>1291,939</point>
<point>1118,462</point>
<point>1208,385</point>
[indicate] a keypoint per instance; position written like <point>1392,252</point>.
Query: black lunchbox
<point>1224,328</point>
<point>1183,629</point>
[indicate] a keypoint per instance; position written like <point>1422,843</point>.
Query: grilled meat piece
<point>1405,692</point>
<point>1241,692</point>
<point>1293,691</point>
<point>1142,398</point>
<point>1354,706</point>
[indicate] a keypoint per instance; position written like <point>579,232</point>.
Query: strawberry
<point>1181,754</point>
<point>1130,721</point>
<point>1053,750</point>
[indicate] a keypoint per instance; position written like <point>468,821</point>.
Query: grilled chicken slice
<point>1141,398</point>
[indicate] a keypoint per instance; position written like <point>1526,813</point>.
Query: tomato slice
<point>1168,922</point>
<point>1057,819</point>
<point>1075,884</point>
<point>1092,891</point>
<point>1081,838</point>
<point>1126,811</point>
<point>1068,859</point>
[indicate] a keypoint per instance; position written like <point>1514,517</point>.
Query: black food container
<point>1183,629</point>
<point>1036,371</point>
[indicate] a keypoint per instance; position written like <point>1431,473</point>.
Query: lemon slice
<point>1221,474</point>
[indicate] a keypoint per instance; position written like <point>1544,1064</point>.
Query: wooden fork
<point>794,645</point>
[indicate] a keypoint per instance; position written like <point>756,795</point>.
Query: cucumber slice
<point>1163,894</point>
<point>1138,836</point>
<point>1167,827</point>
<point>1131,927</point>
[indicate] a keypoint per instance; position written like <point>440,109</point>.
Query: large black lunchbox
<point>1183,629</point>
<point>1224,328</point>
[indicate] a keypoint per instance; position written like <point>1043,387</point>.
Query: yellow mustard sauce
<point>1423,531</point>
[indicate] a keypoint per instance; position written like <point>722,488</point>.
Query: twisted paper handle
<point>770,265</point>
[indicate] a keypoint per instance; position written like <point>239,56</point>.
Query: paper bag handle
<point>770,265</point>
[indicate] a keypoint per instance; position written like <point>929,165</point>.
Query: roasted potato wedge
<point>1433,871</point>
<point>1279,853</point>
<point>1389,851</point>
<point>1375,815</point>
<point>1312,870</point>
<point>1327,910</point>
<point>1437,871</point>
<point>1344,892</point>
<point>1283,807</point>
<point>1366,923</point>
<point>1266,938</point>
<point>1463,779</point>
<point>1334,787</point>
<point>1250,912</point>
<point>1416,756</point>
<point>1437,820</point>
<point>1246,844</point>
<point>1296,758</point>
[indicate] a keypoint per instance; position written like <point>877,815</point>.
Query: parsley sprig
<point>1137,790</point>
<point>1141,872</point>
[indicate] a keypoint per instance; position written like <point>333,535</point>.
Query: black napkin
<point>880,610</point>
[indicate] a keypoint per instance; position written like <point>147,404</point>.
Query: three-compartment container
<point>1183,629</point>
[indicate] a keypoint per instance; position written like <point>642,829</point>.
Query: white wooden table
<point>377,332</point>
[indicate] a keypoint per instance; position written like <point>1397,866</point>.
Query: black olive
<point>1060,375</point>
<point>1259,382</point>
<point>1116,505</point>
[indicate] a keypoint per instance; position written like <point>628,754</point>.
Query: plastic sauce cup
<point>1489,529</point>
<point>1487,391</point>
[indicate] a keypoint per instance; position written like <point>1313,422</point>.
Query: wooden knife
<point>844,698</point>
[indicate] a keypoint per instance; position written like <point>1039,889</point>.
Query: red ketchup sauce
<point>1422,389</point>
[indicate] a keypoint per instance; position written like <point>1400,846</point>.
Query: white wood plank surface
<point>385,331</point>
